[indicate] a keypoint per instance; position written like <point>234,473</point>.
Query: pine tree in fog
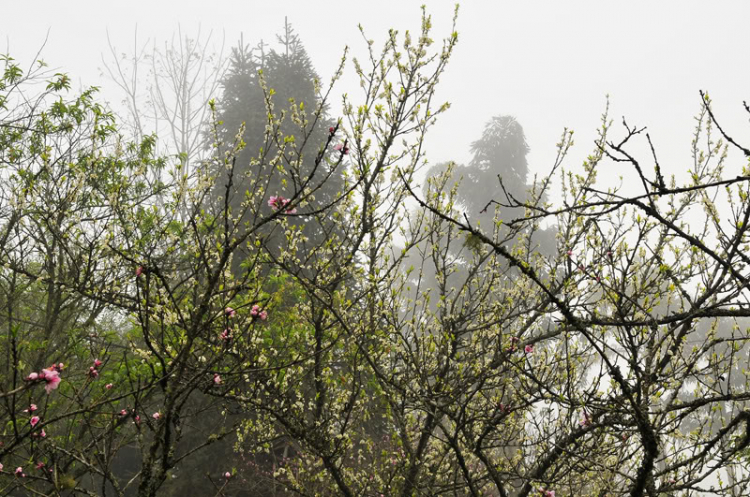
<point>286,77</point>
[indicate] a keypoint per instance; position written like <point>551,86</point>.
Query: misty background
<point>548,64</point>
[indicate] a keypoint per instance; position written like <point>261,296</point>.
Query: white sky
<point>548,63</point>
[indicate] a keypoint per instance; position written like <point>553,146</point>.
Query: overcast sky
<point>548,63</point>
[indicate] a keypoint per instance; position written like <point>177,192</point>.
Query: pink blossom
<point>19,472</point>
<point>108,386</point>
<point>548,493</point>
<point>139,271</point>
<point>227,475</point>
<point>137,419</point>
<point>34,421</point>
<point>230,312</point>
<point>93,372</point>
<point>33,377</point>
<point>340,147</point>
<point>42,434</point>
<point>39,465</point>
<point>156,415</point>
<point>278,203</point>
<point>332,130</point>
<point>31,408</point>
<point>586,420</point>
<point>529,349</point>
<point>258,313</point>
<point>1,466</point>
<point>570,253</point>
<point>217,379</point>
<point>225,335</point>
<point>124,412</point>
<point>53,380</point>
<point>97,363</point>
<point>59,367</point>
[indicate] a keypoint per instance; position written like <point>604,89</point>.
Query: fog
<point>549,64</point>
<point>327,305</point>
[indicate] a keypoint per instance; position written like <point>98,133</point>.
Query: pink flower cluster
<point>257,313</point>
<point>226,335</point>
<point>277,202</point>
<point>136,417</point>
<point>230,312</point>
<point>33,421</point>
<point>513,345</point>
<point>93,370</point>
<point>51,377</point>
<point>585,420</point>
<point>547,493</point>
<point>340,147</point>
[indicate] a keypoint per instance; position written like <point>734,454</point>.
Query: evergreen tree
<point>498,170</point>
<point>500,154</point>
<point>290,80</point>
<point>448,260</point>
<point>285,75</point>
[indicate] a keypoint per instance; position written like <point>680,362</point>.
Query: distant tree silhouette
<point>498,161</point>
<point>166,91</point>
<point>287,78</point>
<point>497,173</point>
<point>500,152</point>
